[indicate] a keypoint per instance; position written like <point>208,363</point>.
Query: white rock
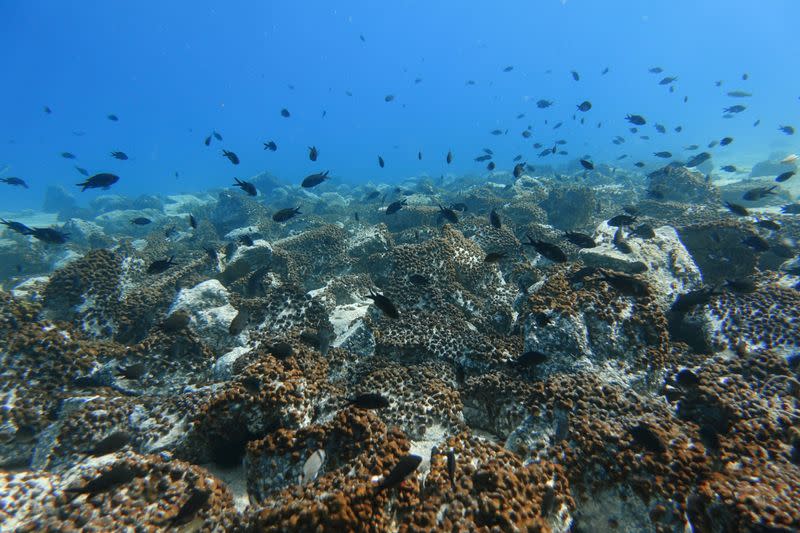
<point>223,367</point>
<point>31,289</point>
<point>211,313</point>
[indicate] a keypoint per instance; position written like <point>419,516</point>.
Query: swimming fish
<point>369,400</point>
<point>232,157</point>
<point>401,470</point>
<point>160,265</point>
<point>384,304</point>
<point>313,153</point>
<point>314,179</point>
<point>246,186</point>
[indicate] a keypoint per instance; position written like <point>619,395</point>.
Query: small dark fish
<point>687,379</point>
<point>99,181</point>
<point>207,141</point>
<point>575,76</point>
<point>381,162</point>
<point>620,243</point>
<point>656,70</point>
<point>239,322</point>
<point>728,168</point>
<point>678,129</point>
<point>118,474</point>
<point>663,154</point>
<point>739,94</point>
<point>482,158</point>
<point>68,155</point>
<point>688,301</point>
<point>141,221</point>
<point>451,467</point>
<point>660,128</point>
<point>356,217</point>
<point>285,113</point>
<point>134,371</point>
<point>113,118</point>
<point>725,141</point>
<point>743,285</point>
<point>685,99</point>
<point>580,240</point>
<point>401,470</point>
<point>558,125</point>
<point>639,164</point>
<point>313,153</point>
<point>488,151</point>
<point>122,156</point>
<point>769,224</point>
<point>543,104</point>
<point>508,68</point>
<point>584,106</point>
<point>734,109</point>
<point>517,158</point>
<point>111,443</point>
<point>626,284</point>
<point>384,304</point>
<point>47,110</point>
<point>271,146</point>
<point>395,206</point>
<point>449,157</point>
<point>547,250</point>
<point>490,166</point>
<point>494,219</point>
<point>419,156</point>
<point>604,71</point>
<point>448,214</point>
<point>160,265</point>
<point>668,80</point>
<point>246,186</point>
<point>82,171</point>
<point>281,350</point>
<point>644,231</point>
<point>621,220</point>
<point>519,168</point>
<point>192,221</point>
<point>19,227</point>
<point>755,242</point>
<point>785,176</point>
<point>791,209</point>
<point>530,359</point>
<point>497,132</point>
<point>758,193</point>
<point>49,235</point>
<point>233,158</point>
<point>494,257</point>
<point>369,400</point>
<point>216,135</point>
<point>196,501</point>
<point>639,120</point>
<point>645,436</point>
<point>314,179</point>
<point>788,130</point>
<point>363,40</point>
<point>388,98</point>
<point>285,214</point>
<point>698,159</point>
<point>19,182</point>
<point>588,165</point>
<point>419,280</point>
<point>712,144</point>
<point>737,209</point>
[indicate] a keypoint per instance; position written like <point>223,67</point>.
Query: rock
<point>246,260</point>
<point>734,192</point>
<point>58,200</point>
<point>86,233</point>
<point>368,240</point>
<point>771,167</point>
<point>211,313</point>
<point>679,184</point>
<point>31,289</point>
<point>119,221</point>
<point>570,208</point>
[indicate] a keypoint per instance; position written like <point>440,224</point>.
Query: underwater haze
<point>173,72</point>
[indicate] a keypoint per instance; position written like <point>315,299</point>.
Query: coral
<point>570,208</point>
<point>680,184</point>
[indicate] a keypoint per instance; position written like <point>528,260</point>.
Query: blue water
<point>174,71</point>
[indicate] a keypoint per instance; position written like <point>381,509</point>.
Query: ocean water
<point>174,72</point>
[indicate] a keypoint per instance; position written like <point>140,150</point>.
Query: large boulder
<point>679,184</point>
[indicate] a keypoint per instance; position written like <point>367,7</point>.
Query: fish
<point>141,221</point>
<point>788,130</point>
<point>112,117</point>
<point>645,436</point>
<point>312,466</point>
<point>494,257</point>
<point>558,125</point>
<point>246,186</point>
<point>743,285</point>
<point>737,209</point>
<point>756,123</point>
<point>739,94</point>
<point>175,322</point>
<point>134,371</point>
<point>198,498</point>
<point>313,153</point>
<point>678,129</point>
<point>369,400</point>
<point>18,227</point>
<point>451,467</point>
<point>656,70</point>
<point>99,181</point>
<point>122,156</point>
<point>67,155</point>
<point>111,443</point>
<point>285,113</point>
<point>660,128</point>
<point>405,466</point>
<point>482,158</point>
<point>381,162</point>
<point>519,168</point>
<point>47,110</point>
<point>494,219</point>
<point>207,140</point>
<point>388,98</point>
<point>575,75</point>
<point>638,164</point>
<point>160,265</point>
<point>685,99</point>
<point>692,147</point>
<point>769,225</point>
<point>667,80</point>
<point>384,304</point>
<point>544,104</point>
<point>490,166</point>
<point>664,154</point>
<point>530,359</point>
<point>232,157</point>
<point>527,134</point>
<point>239,322</point>
<point>685,378</point>
<point>755,242</point>
<point>758,193</point>
<point>508,68</point>
<point>734,109</point>
<point>785,176</point>
<point>626,284</point>
<point>488,151</point>
<point>620,243</point>
<point>419,156</point>
<point>286,214</point>
<point>49,235</point>
<point>604,71</point>
<point>725,141</point>
<point>639,120</point>
<point>395,206</point>
<point>497,132</point>
<point>12,180</point>
<point>118,474</point>
<point>621,220</point>
<point>584,106</point>
<point>192,221</point>
<point>419,280</point>
<point>588,165</point>
<point>281,350</point>
<point>712,144</point>
<point>448,214</point>
<point>271,146</point>
<point>580,240</point>
<point>449,157</point>
<point>363,40</point>
<point>547,250</point>
<point>698,159</point>
<point>216,135</point>
<point>314,179</point>
<point>728,168</point>
<point>82,171</point>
